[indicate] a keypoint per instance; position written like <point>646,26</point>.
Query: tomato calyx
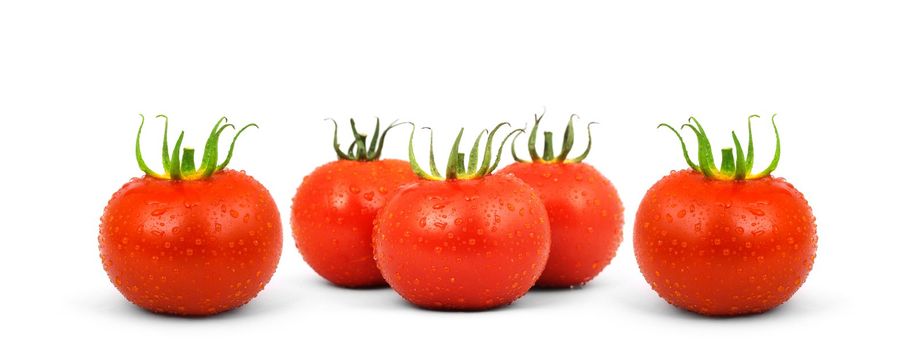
<point>548,153</point>
<point>456,168</point>
<point>735,165</point>
<point>359,149</point>
<point>179,166</point>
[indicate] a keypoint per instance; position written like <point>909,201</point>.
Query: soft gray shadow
<point>796,307</point>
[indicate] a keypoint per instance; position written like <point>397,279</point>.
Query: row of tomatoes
<point>203,240</point>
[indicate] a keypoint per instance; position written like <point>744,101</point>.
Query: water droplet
<point>159,212</point>
<point>234,213</point>
<point>757,212</point>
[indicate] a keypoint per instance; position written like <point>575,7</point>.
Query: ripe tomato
<point>194,246</point>
<point>472,241</point>
<point>333,211</point>
<point>584,210</point>
<point>726,242</point>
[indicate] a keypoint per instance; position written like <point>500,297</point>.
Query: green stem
<point>549,147</point>
<point>728,162</point>
<point>187,162</point>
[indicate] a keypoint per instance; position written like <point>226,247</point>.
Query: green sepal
<point>568,140</point>
<point>704,153</point>
<point>373,142</point>
<point>231,148</point>
<point>166,156</point>
<point>749,161</point>
<point>413,162</point>
<point>683,146</point>
<point>585,153</point>
<point>339,153</point>
<point>500,150</point>
<point>740,164</point>
<point>486,161</point>
<point>139,159</point>
<point>360,141</point>
<point>433,162</point>
<point>460,163</point>
<point>452,168</point>
<point>513,148</point>
<point>775,162</point>
<point>210,153</point>
<point>174,172</point>
<point>473,155</point>
<point>533,153</point>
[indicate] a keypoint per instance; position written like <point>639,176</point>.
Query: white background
<point>74,75</point>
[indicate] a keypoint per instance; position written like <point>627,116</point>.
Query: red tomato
<point>333,212</point>
<point>724,247</point>
<point>718,245</point>
<point>463,244</point>
<point>586,217</point>
<point>332,217</point>
<point>191,241</point>
<point>191,247</point>
<point>584,209</point>
<point>467,241</point>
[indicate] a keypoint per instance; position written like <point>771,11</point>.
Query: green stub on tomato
<point>735,165</point>
<point>359,149</point>
<point>456,168</point>
<point>182,166</point>
<point>548,154</point>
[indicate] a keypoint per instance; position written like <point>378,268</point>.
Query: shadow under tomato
<point>325,283</point>
<point>792,308</point>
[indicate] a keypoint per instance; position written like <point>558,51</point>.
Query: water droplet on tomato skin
<point>159,212</point>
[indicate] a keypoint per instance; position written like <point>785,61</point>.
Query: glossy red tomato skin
<point>724,248</point>
<point>332,217</point>
<point>191,248</point>
<point>586,216</point>
<point>463,244</point>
